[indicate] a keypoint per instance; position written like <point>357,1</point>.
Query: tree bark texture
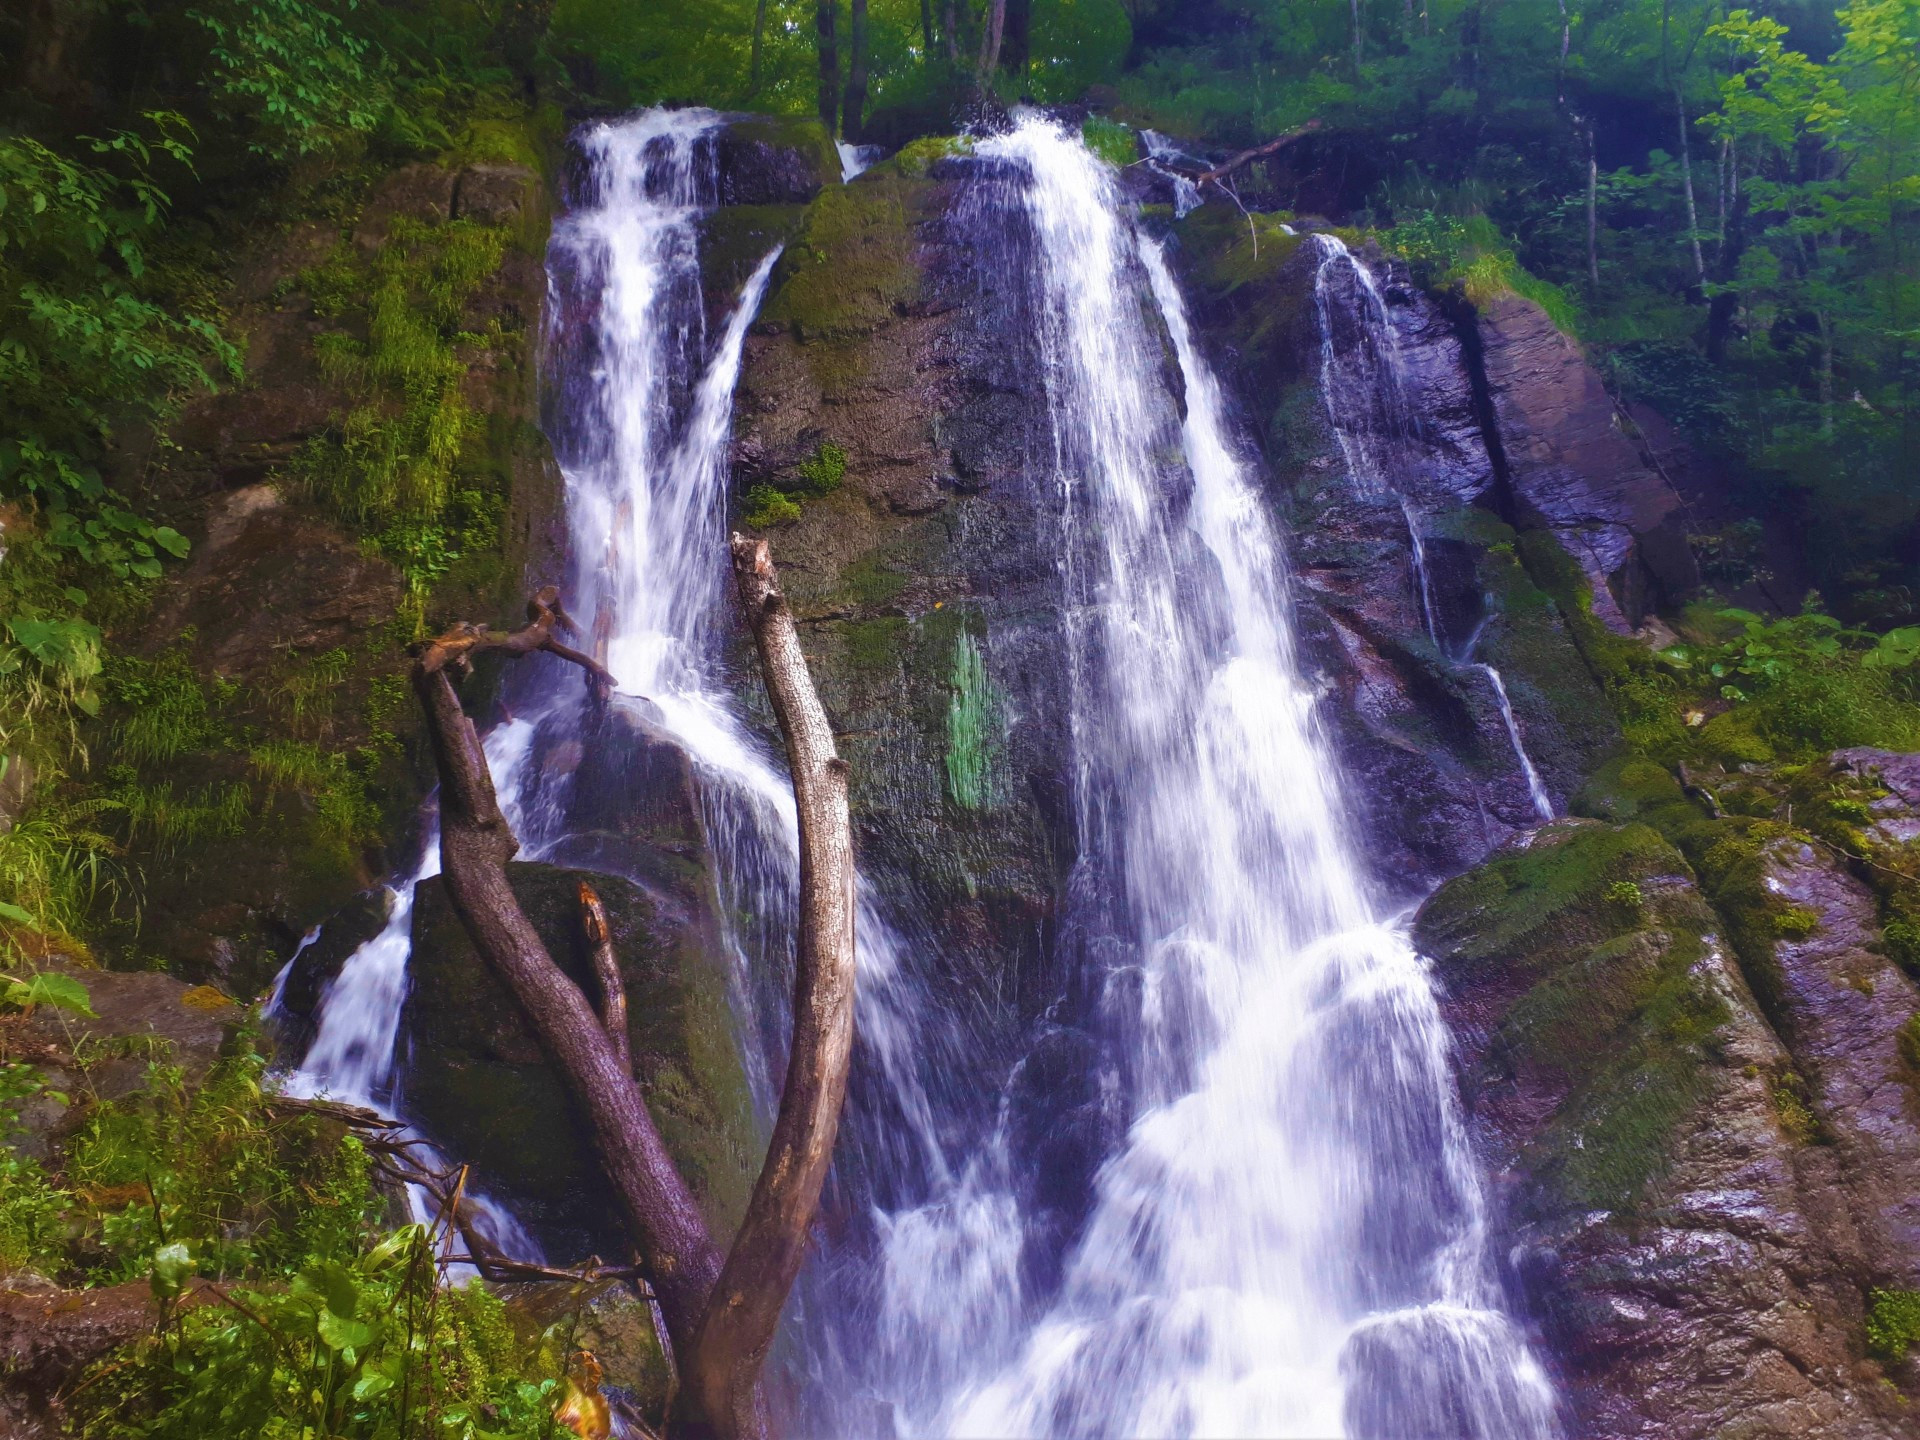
<point>476,843</point>
<point>990,41</point>
<point>823,22</point>
<point>606,969</point>
<point>1016,43</point>
<point>767,1254</point>
<point>854,108</point>
<point>759,39</point>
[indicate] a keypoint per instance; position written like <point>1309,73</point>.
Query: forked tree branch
<point>724,1366</point>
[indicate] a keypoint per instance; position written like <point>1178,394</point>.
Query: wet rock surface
<point>1363,399</point>
<point>477,1082</point>
<point>1678,1216</point>
<point>1573,465</point>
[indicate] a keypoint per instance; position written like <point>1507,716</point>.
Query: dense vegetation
<point>1722,203</point>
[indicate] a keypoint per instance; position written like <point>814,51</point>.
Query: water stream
<point>1377,426</point>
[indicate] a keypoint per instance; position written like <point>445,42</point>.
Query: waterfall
<point>1288,1239</point>
<point>1542,802</point>
<point>1375,425</point>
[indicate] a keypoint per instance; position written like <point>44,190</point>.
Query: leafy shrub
<point>1893,1323</point>
<point>293,75</point>
<point>1806,682</point>
<point>766,507</point>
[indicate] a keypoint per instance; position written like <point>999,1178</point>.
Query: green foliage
<point>766,507</point>
<point>49,988</point>
<point>392,464</point>
<point>1470,254</point>
<point>58,868</point>
<point>822,471</point>
<point>1627,895</point>
<point>92,339</point>
<point>32,1207</point>
<point>1110,140</point>
<point>293,75</point>
<point>1807,682</point>
<point>1893,1323</point>
<point>916,156</point>
<point>973,729</point>
<point>324,1325</point>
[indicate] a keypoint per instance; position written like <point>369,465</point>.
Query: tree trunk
<point>1686,184</point>
<point>1016,46</point>
<point>853,109</point>
<point>766,1256</point>
<point>606,969</point>
<point>1355,6</point>
<point>823,19</point>
<point>759,36</point>
<point>475,845</point>
<point>950,27</point>
<point>926,31</point>
<point>1593,214</point>
<point>720,1318</point>
<point>990,41</point>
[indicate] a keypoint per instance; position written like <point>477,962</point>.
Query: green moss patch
<point>847,273</point>
<point>1595,935</point>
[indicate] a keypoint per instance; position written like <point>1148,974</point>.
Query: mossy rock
<point>848,272</point>
<point>776,160</point>
<point>477,1080</point>
<point>1581,953</point>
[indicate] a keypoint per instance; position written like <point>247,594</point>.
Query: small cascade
<point>1422,580</point>
<point>1161,150</point>
<point>856,160</point>
<point>1542,802</point>
<point>1366,403</point>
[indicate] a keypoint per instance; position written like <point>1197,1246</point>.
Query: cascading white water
<point>1288,1241</point>
<point>1362,388</point>
<point>1536,788</point>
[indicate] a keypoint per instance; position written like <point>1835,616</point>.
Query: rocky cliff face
<point>1699,1114</point>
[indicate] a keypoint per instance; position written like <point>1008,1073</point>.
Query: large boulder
<point>477,1082</point>
<point>1574,465</point>
<point>775,160</point>
<point>1662,1185</point>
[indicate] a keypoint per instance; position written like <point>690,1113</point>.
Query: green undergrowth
<point>769,504</point>
<point>1469,254</point>
<point>283,1304</point>
<point>1597,927</point>
<point>405,461</point>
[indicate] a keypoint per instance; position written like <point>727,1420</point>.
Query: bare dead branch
<point>722,1368</point>
<point>606,969</point>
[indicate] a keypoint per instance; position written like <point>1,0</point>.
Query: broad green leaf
<point>338,1333</point>
<point>62,992</point>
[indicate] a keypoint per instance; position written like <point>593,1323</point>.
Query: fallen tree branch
<point>606,969</point>
<point>719,1321</point>
<point>1259,152</point>
<point>476,845</point>
<point>456,648</point>
<point>722,1370</point>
